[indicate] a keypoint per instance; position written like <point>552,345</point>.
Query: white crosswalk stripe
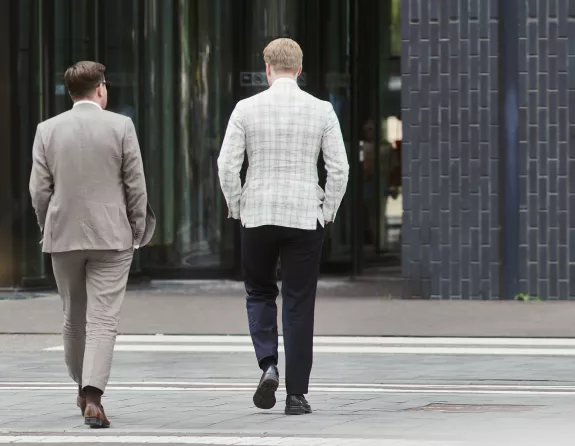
<point>316,388</point>
<point>221,441</point>
<point>355,340</point>
<point>353,345</point>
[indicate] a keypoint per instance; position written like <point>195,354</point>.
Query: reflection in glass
<point>199,215</point>
<point>117,43</point>
<point>175,70</point>
<point>380,138</point>
<point>74,40</point>
<point>32,110</point>
<point>267,20</point>
<point>383,210</point>
<point>118,50</point>
<point>337,83</point>
<point>395,28</point>
<point>391,208</point>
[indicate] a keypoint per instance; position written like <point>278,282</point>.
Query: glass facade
<point>177,68</point>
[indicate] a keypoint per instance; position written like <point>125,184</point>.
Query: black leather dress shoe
<point>265,396</point>
<point>297,405</point>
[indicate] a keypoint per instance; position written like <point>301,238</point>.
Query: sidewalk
<point>358,399</point>
<point>343,308</point>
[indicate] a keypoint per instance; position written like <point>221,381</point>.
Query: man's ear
<point>300,69</point>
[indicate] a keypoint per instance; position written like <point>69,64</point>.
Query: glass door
<point>359,48</point>
<point>376,179</point>
<point>389,204</point>
<point>336,87</point>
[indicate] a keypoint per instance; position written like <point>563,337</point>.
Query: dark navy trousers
<point>299,252</point>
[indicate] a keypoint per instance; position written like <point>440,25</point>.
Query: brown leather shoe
<point>95,417</point>
<point>81,400</point>
<point>81,403</point>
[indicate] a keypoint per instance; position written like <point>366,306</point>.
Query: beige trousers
<point>92,285</point>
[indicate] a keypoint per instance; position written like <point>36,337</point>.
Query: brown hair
<point>283,55</point>
<point>82,78</point>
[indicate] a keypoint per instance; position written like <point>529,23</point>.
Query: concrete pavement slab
<point>342,309</point>
<point>427,400</point>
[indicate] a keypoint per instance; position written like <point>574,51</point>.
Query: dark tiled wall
<point>450,173</point>
<point>450,94</point>
<point>547,149</point>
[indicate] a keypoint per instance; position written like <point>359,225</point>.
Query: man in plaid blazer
<point>283,213</point>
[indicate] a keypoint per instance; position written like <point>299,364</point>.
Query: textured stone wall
<point>450,177</point>
<point>547,149</point>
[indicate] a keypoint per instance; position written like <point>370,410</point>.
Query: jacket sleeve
<point>134,182</point>
<point>41,181</point>
<point>230,163</point>
<point>336,164</point>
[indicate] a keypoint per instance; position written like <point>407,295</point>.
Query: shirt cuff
<point>328,216</point>
<point>234,214</point>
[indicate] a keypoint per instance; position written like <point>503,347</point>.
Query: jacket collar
<point>287,81</point>
<point>86,102</point>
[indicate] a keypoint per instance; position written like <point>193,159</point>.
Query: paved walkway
<point>166,390</point>
<point>344,308</point>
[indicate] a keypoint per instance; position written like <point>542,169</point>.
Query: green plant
<point>523,297</point>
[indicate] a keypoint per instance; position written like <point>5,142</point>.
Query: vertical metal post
<point>509,146</point>
<point>356,152</point>
<point>8,121</point>
<point>97,23</point>
<point>47,71</point>
<point>377,140</point>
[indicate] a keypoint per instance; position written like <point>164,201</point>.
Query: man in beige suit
<point>89,193</point>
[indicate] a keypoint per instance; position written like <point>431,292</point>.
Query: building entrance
<point>177,69</point>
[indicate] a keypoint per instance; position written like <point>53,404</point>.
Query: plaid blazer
<point>283,130</point>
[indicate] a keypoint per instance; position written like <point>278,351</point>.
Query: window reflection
<point>204,36</point>
<point>175,70</point>
<point>32,265</point>
<point>337,83</point>
<point>175,85</point>
<point>119,52</point>
<point>74,40</point>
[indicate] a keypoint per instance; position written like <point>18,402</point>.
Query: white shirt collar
<point>285,80</point>
<point>87,102</point>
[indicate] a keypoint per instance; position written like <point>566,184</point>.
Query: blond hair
<point>283,55</point>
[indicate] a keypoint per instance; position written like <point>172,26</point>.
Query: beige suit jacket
<point>87,182</point>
